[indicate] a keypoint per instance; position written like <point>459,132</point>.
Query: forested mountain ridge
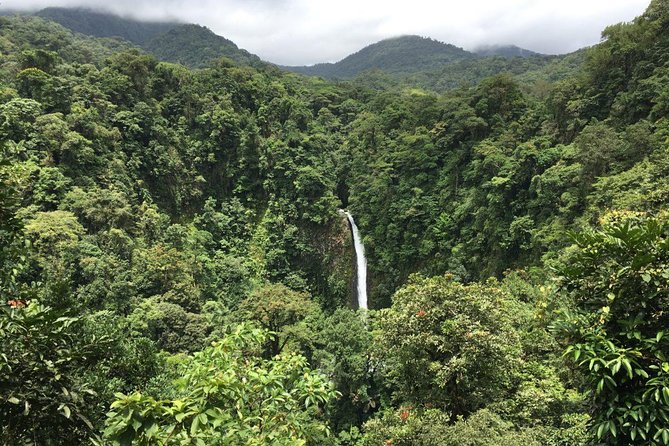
<point>413,61</point>
<point>534,72</point>
<point>397,62</point>
<point>396,55</point>
<point>504,50</point>
<point>100,24</point>
<point>188,44</point>
<point>174,267</point>
<point>197,46</point>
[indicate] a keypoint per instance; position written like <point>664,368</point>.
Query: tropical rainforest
<point>174,268</point>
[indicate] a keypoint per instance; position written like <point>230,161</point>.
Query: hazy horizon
<point>299,32</point>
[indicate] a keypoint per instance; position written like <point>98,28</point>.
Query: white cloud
<point>311,31</point>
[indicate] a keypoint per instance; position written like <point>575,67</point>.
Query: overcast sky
<point>302,32</point>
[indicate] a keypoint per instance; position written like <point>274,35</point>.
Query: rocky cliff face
<point>332,264</point>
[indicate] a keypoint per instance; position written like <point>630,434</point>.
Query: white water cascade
<point>360,262</point>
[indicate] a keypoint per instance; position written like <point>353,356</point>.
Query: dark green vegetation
<point>505,50</point>
<point>98,24</point>
<point>406,61</point>
<point>535,73</point>
<point>406,54</point>
<point>413,61</point>
<point>174,269</point>
<point>197,46</point>
<point>190,45</point>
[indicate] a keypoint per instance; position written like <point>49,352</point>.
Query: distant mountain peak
<point>400,54</point>
<point>425,46</point>
<point>504,51</point>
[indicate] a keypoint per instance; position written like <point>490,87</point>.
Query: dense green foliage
<point>228,396</point>
<point>449,345</point>
<point>406,54</point>
<point>504,50</point>
<point>10,228</point>
<point>100,24</point>
<point>174,269</point>
<point>41,361</point>
<point>189,45</point>
<point>412,61</point>
<point>197,46</point>
<point>407,61</point>
<point>618,280</point>
<point>535,71</point>
<point>489,178</point>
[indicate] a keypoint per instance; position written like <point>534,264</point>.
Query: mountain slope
<point>196,46</point>
<point>406,54</point>
<point>527,70</point>
<point>191,45</point>
<point>98,24</point>
<point>505,51</point>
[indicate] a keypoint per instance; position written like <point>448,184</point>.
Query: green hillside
<point>191,45</point>
<point>412,61</point>
<point>98,24</point>
<point>196,46</point>
<point>528,70</point>
<point>406,54</point>
<point>504,51</point>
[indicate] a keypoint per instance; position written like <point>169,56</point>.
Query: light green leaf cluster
<point>229,395</point>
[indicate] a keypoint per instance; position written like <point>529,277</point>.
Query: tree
<point>599,147</point>
<point>448,345</point>
<point>43,397</point>
<point>280,310</point>
<point>410,427</point>
<point>618,279</point>
<point>229,395</point>
<point>343,352</point>
<point>10,230</point>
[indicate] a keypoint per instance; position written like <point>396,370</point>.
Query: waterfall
<point>360,262</point>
